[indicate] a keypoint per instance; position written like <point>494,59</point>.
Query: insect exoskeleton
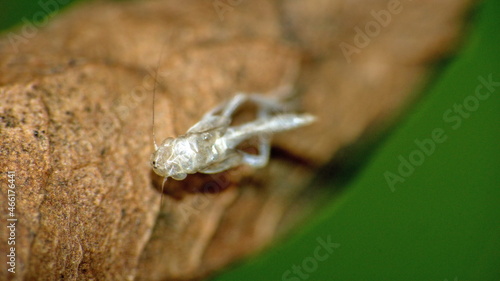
<point>210,146</point>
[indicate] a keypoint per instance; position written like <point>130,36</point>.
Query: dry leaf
<point>76,122</point>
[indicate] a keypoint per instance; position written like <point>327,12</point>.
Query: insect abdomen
<point>274,124</point>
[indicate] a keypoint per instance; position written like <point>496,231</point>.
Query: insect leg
<point>228,108</point>
<point>234,103</point>
<point>261,159</point>
<point>212,120</point>
<point>233,160</point>
<point>267,103</point>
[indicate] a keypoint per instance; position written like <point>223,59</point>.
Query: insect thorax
<point>190,153</point>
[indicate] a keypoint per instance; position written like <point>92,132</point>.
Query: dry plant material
<point>75,107</point>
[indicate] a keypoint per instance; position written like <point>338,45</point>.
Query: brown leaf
<point>76,123</point>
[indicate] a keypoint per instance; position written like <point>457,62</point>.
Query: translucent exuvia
<point>210,146</point>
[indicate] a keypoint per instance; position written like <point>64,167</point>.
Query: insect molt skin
<point>186,154</point>
<point>210,146</point>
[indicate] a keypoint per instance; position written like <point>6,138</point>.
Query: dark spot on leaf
<point>9,119</point>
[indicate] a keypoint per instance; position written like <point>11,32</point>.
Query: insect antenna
<point>155,82</point>
<point>154,96</point>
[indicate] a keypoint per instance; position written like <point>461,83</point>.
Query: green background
<point>442,222</point>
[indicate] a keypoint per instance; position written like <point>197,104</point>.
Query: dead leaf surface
<point>76,123</point>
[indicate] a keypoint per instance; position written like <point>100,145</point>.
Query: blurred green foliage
<point>439,222</point>
<point>21,11</point>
